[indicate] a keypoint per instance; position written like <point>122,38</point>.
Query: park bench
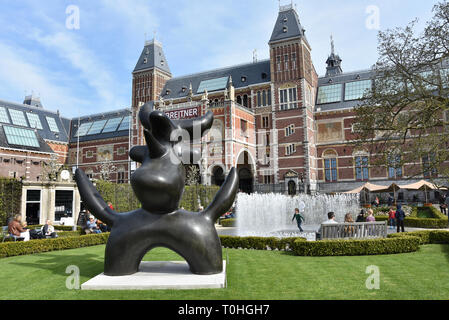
<point>6,235</point>
<point>355,230</point>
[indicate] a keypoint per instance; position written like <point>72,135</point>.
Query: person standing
<point>400,216</point>
<point>299,219</point>
<point>447,204</point>
<point>392,218</point>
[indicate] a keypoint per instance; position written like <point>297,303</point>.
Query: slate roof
<point>287,26</point>
<point>93,118</point>
<point>256,72</point>
<point>342,78</point>
<point>42,134</point>
<point>152,56</point>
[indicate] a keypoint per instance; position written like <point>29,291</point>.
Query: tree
<point>404,119</point>
<point>192,175</point>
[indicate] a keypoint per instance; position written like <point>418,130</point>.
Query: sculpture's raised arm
<point>92,199</point>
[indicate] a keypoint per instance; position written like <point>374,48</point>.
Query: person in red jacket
<point>392,218</point>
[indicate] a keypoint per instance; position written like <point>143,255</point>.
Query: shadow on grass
<point>89,264</point>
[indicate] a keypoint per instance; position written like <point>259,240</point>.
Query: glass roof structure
<point>213,84</point>
<point>21,136</point>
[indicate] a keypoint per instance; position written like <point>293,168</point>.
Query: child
<point>299,219</point>
<point>392,218</point>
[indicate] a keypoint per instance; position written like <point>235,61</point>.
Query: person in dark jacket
<point>400,216</point>
<point>299,219</point>
<point>361,216</point>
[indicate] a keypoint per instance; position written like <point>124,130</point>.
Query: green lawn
<point>251,275</point>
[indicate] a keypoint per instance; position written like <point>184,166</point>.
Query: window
<point>329,94</point>
<point>245,101</point>
<point>294,61</point>
<point>34,120</point>
<point>428,163</point>
<point>269,97</point>
<point>213,84</point>
<point>83,129</point>
<point>52,124</point>
<point>289,130</point>
<point>243,127</point>
<point>121,176</point>
<point>330,169</point>
<point>278,60</point>
<point>288,99</point>
<point>265,121</point>
<point>356,90</point>
<point>3,115</point>
<point>267,179</point>
<point>264,98</point>
<point>21,137</point>
<point>97,126</point>
<point>286,61</point>
<point>18,118</point>
<point>361,168</point>
<point>395,167</point>
<point>290,149</point>
<point>259,100</point>
<point>239,100</point>
<point>125,124</point>
<point>112,125</point>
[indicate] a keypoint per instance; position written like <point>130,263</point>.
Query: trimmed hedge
<point>231,222</point>
<point>9,249</point>
<point>356,247</point>
<point>57,227</point>
<point>438,221</point>
<point>426,236</point>
<point>259,243</point>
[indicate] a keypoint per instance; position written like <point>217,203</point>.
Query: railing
<point>356,230</point>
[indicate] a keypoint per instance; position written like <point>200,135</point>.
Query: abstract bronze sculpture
<point>158,184</point>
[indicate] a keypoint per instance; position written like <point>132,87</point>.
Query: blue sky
<point>88,70</point>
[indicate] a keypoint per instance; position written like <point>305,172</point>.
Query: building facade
<point>282,126</point>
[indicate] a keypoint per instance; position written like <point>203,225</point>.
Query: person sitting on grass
<point>15,228</point>
<point>91,226</point>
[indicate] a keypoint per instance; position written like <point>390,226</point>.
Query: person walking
<point>299,219</point>
<point>400,216</point>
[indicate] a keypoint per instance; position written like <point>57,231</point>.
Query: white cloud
<point>19,75</point>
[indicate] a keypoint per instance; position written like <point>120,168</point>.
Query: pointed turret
<point>333,62</point>
<point>287,25</point>
<point>152,56</point>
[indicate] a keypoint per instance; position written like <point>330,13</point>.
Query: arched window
<point>259,100</point>
<point>264,98</point>
<point>330,165</point>
<point>239,100</point>
<point>245,101</point>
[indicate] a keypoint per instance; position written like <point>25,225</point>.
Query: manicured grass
<point>251,275</point>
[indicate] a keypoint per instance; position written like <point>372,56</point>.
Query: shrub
<point>8,249</point>
<point>356,247</point>
<point>437,221</point>
<point>425,236</point>
<point>231,222</point>
<point>258,243</point>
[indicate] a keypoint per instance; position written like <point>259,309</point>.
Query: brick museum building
<point>282,126</point>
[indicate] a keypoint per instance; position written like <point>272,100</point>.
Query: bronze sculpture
<point>158,184</point>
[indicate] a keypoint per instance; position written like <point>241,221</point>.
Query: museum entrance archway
<point>217,176</point>
<point>245,169</point>
<point>291,188</point>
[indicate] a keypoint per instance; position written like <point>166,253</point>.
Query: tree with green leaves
<point>404,119</point>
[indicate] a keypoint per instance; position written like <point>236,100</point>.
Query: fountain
<point>270,215</point>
